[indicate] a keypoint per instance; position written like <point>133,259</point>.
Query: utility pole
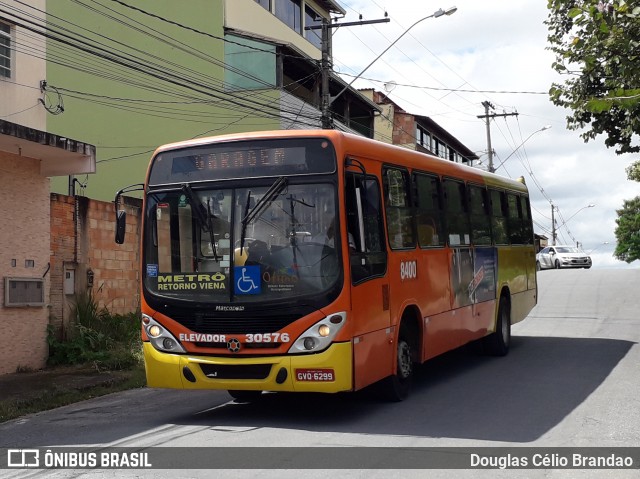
<point>326,66</point>
<point>327,62</point>
<point>487,116</point>
<point>553,225</point>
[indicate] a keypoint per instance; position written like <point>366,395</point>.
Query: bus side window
<point>429,216</point>
<point>528,225</point>
<point>458,226</point>
<point>480,220</point>
<point>398,209</point>
<point>515,220</point>
<point>498,217</point>
<point>364,222</point>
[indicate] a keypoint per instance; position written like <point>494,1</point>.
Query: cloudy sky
<point>446,67</point>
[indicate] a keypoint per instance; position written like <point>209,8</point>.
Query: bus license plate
<point>315,375</point>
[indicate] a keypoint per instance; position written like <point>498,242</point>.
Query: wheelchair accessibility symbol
<point>247,280</point>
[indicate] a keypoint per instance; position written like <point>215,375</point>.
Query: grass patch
<point>108,341</point>
<point>64,392</point>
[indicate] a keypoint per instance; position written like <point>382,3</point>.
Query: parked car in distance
<point>562,257</point>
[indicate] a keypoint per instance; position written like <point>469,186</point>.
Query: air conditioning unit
<point>23,292</point>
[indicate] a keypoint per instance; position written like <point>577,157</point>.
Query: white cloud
<point>494,45</point>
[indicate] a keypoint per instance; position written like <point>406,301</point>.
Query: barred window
<point>5,50</point>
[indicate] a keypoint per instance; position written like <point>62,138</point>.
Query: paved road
<point>571,379</point>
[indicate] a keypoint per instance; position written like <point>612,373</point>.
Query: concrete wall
<point>82,240</point>
<point>156,111</point>
<point>24,235</point>
<point>248,16</point>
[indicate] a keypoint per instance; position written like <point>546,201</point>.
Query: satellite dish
<point>389,86</point>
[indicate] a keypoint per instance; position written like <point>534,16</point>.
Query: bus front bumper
<point>329,371</point>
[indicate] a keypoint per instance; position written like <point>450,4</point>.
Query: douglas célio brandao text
<point>551,460</point>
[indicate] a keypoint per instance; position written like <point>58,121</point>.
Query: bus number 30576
<point>267,338</point>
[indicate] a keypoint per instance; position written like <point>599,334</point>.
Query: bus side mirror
<point>121,224</point>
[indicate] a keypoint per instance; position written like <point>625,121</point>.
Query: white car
<point>562,257</point>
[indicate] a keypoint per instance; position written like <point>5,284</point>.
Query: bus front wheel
<point>398,385</point>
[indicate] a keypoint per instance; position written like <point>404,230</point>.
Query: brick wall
<point>24,253</point>
<point>404,130</point>
<point>82,240</point>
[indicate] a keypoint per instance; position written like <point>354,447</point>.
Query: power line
<point>150,69</point>
<point>132,62</point>
<point>457,90</point>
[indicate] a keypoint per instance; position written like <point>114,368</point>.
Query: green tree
<point>597,48</point>
<point>628,231</point>
<point>633,171</point>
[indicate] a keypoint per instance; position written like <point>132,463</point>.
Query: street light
<point>590,205</point>
<point>601,244</point>
<point>438,13</point>
<point>492,170</point>
<point>553,221</point>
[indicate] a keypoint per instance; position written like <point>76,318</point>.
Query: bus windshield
<point>244,244</point>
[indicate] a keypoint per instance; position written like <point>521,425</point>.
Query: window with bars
<point>5,50</point>
<point>23,292</point>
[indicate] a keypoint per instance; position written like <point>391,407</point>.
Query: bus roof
<point>359,146</point>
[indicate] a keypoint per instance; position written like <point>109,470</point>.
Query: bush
<point>109,341</point>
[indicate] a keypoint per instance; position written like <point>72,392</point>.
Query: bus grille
<point>242,371</point>
<point>215,324</point>
<point>244,345</point>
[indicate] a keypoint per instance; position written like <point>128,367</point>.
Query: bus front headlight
<point>319,336</point>
<point>159,337</point>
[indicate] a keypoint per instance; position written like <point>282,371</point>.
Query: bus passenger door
<point>373,346</point>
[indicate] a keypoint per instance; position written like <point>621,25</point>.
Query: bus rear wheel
<point>244,396</point>
<point>497,343</point>
<point>398,385</point>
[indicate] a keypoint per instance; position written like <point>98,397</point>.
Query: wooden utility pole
<point>487,116</point>
<point>327,63</point>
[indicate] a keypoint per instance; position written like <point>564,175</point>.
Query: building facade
<point>136,77</point>
<point>416,132</point>
<point>29,156</point>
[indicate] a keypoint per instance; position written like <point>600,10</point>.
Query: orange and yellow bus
<point>321,261</point>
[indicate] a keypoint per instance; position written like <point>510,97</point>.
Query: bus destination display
<point>256,159</point>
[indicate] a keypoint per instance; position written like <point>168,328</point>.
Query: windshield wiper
<point>211,235</point>
<point>203,221</point>
<point>293,236</point>
<point>263,203</point>
<point>244,223</point>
